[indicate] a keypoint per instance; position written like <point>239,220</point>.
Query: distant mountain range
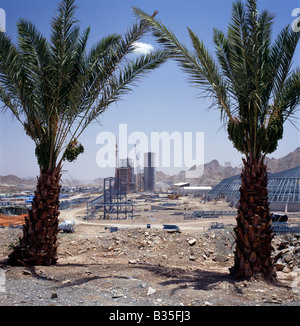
<point>287,162</point>
<point>213,173</point>
<point>12,180</point>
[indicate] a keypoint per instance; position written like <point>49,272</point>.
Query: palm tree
<point>254,87</point>
<point>55,89</point>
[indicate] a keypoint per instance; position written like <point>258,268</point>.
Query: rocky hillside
<point>214,172</point>
<point>14,180</point>
<point>287,162</point>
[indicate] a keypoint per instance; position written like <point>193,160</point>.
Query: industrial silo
<point>149,171</point>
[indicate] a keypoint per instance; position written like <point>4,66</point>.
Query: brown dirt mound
<point>6,220</point>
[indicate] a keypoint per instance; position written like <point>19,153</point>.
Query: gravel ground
<point>138,267</point>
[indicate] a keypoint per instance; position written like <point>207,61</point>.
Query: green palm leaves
<point>250,78</point>
<point>57,88</point>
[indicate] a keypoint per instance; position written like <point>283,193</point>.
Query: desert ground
<point>142,264</point>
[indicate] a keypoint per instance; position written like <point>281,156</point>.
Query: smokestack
<point>149,171</point>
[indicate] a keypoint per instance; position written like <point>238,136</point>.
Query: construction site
<point>128,242</point>
<point>174,251</point>
<point>132,194</point>
<point>113,202</point>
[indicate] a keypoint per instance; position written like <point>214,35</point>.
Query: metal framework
<point>283,187</point>
<point>228,187</point>
<point>208,214</point>
<point>113,202</point>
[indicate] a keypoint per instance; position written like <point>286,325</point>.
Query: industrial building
<point>126,175</point>
<point>184,189</point>
<point>141,180</point>
<point>149,172</point>
<point>197,191</point>
<point>113,202</point>
<point>283,190</point>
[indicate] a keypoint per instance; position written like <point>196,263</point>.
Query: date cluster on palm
<point>254,224</point>
<point>38,246</point>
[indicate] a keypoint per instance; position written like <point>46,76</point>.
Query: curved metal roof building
<point>283,188</point>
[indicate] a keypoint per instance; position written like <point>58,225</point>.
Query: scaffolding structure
<point>113,202</point>
<point>126,175</point>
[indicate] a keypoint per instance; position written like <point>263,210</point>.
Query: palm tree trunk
<point>253,232</point>
<point>38,246</point>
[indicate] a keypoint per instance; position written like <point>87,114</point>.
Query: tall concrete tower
<point>149,171</point>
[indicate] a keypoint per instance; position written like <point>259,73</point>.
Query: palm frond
<point>281,59</point>
<point>35,56</point>
<point>289,101</point>
<point>253,85</point>
<point>11,72</point>
<point>57,88</point>
<point>201,68</point>
<point>168,39</point>
<point>214,83</point>
<point>238,56</point>
<point>223,54</point>
<point>119,84</point>
<point>64,35</point>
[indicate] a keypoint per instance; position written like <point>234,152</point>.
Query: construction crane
<point>73,181</point>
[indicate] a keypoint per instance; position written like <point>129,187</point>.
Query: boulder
<point>220,258</point>
<point>192,242</point>
<point>288,257</point>
<point>279,266</point>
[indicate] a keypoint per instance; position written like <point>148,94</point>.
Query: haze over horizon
<point>162,102</point>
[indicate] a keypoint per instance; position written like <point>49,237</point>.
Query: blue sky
<point>163,101</point>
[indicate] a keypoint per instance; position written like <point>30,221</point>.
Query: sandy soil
<point>12,220</point>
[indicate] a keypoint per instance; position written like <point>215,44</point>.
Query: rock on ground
<point>142,267</point>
